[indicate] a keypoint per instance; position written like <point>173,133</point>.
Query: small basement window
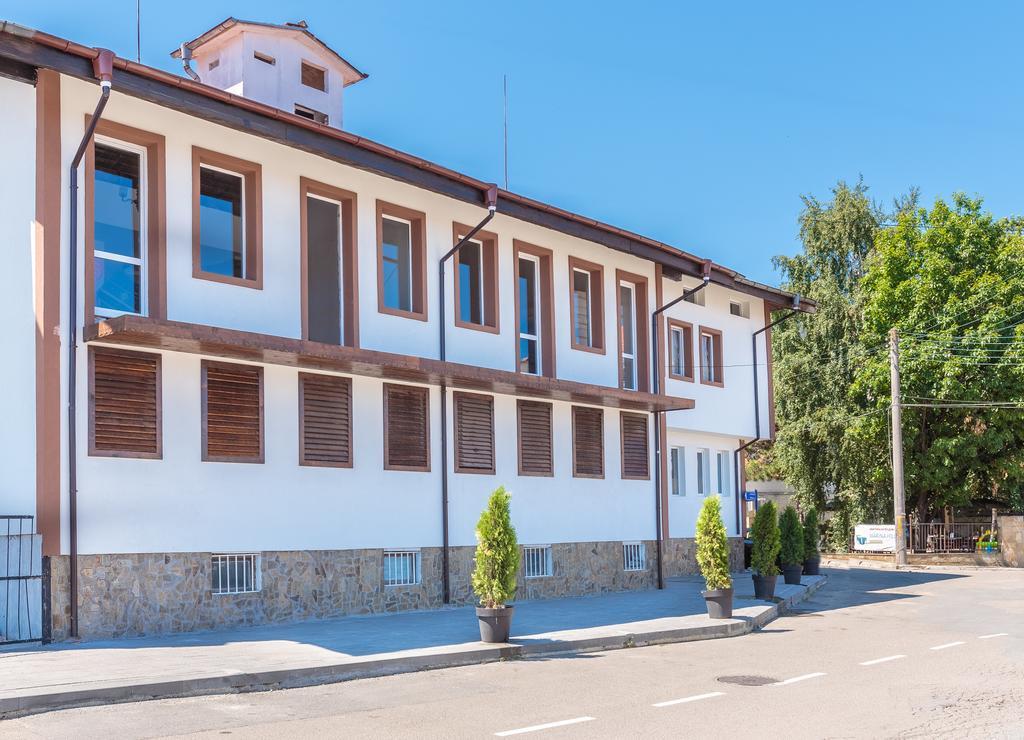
<point>314,77</point>
<point>537,561</point>
<point>634,556</point>
<point>235,574</point>
<point>265,58</point>
<point>401,567</point>
<point>312,115</point>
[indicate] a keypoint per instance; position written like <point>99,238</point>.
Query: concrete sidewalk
<point>305,653</point>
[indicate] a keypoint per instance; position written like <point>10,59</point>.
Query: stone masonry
<point>1011,540</point>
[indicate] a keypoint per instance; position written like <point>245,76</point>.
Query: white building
<point>264,425</point>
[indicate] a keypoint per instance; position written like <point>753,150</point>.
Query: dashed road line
<point>688,699</point>
<point>546,726</point>
<point>997,634</point>
<point>947,645</point>
<point>886,659</point>
<point>798,678</point>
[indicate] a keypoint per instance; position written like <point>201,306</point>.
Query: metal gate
<point>21,580</point>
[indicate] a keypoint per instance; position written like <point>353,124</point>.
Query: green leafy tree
<point>497,553</point>
<point>765,533</point>
<point>792,535</point>
<point>812,535</point>
<point>713,545</point>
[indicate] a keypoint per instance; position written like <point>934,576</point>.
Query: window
<point>325,421</point>
<point>677,470</point>
<point>703,472</point>
<point>476,280</point>
<point>680,350</point>
<point>232,412</point>
<point>406,428</point>
<point>227,221</point>
<point>537,561</point>
<point>311,114</point>
<point>235,574</point>
<point>402,567</point>
<point>314,77</point>
<point>535,456</point>
<point>739,308</point>
<point>724,472</point>
<point>213,65</point>
<point>474,433</point>
<point>327,225</point>
<point>535,351</point>
<point>631,303</point>
<point>635,449</point>
<point>711,366</point>
<point>586,307</point>
<point>124,403</point>
<point>634,556</point>
<point>401,266</point>
<point>587,442</point>
<point>265,58</point>
<point>697,299</point>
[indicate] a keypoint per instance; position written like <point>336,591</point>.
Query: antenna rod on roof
<point>504,89</point>
<point>138,31</point>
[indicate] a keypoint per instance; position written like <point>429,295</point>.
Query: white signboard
<point>874,537</point>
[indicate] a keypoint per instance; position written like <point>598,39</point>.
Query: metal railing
<point>536,561</point>
<point>21,580</point>
<point>634,556</point>
<point>940,537</point>
<point>401,567</point>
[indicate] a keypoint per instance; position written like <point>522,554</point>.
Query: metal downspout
<point>491,197</point>
<point>103,70</point>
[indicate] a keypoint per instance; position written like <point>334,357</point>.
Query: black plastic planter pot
<point>811,566</point>
<point>495,624</point>
<point>719,603</point>
<point>764,587</point>
<point>791,574</point>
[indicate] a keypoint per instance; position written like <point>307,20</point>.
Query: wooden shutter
<point>325,420</point>
<point>474,433</point>
<point>406,428</point>
<point>232,412</point>
<point>124,404</point>
<point>587,442</point>
<point>635,453</point>
<point>535,456</point>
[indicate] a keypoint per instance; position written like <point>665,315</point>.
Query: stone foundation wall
<point>681,556</point>
<point>1011,540</point>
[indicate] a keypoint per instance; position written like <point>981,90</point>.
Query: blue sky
<point>697,124</point>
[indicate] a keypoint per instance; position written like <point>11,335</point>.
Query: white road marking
<point>688,699</point>
<point>547,726</point>
<point>948,645</point>
<point>997,634</point>
<point>876,661</point>
<point>798,678</point>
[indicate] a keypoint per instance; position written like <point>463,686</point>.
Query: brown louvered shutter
<point>232,412</point>
<point>474,433</point>
<point>634,447</point>
<point>406,428</point>
<point>325,420</point>
<point>535,456</point>
<point>124,410</point>
<point>587,442</point>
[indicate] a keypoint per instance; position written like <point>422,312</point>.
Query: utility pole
<point>898,495</point>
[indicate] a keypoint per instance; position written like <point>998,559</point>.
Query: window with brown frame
<point>314,77</point>
<point>535,452</point>
<point>227,219</point>
<point>586,305</point>
<point>474,433</point>
<point>406,427</point>
<point>475,283</point>
<point>232,412</point>
<point>635,448</point>
<point>631,304</point>
<point>587,442</point>
<point>535,324</point>
<point>124,403</point>
<point>680,350</point>
<point>711,364</point>
<point>401,261</point>
<point>325,420</point>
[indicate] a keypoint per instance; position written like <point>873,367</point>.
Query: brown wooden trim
<point>596,308</point>
<point>93,450</point>
<point>252,174</point>
<point>520,405</point>
<point>346,383</point>
<point>418,219</point>
<point>489,255</point>
<point>687,329</point>
<point>47,298</point>
<point>457,399</point>
<point>623,415</point>
<point>546,295</point>
<point>156,214</point>
<point>426,430</point>
<point>771,373</point>
<point>643,363</point>
<point>349,256</point>
<point>575,468</point>
<point>718,351</point>
<point>204,366</point>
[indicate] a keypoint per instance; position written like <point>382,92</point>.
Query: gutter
<point>491,198</point>
<point>656,389</point>
<point>103,70</point>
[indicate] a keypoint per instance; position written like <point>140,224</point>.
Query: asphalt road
<point>873,654</point>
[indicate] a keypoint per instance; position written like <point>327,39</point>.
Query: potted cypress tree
<point>497,562</point>
<point>792,547</point>
<point>713,559</point>
<point>812,555</point>
<point>765,533</point>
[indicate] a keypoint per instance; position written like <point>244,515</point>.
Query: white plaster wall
<point>684,508</point>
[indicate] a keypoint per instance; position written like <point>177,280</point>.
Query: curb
<point>298,677</point>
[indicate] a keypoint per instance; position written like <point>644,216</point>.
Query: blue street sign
<point>750,496</point>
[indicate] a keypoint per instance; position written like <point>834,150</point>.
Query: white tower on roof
<point>285,66</point>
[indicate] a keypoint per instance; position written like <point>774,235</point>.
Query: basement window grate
<point>401,567</point>
<point>634,556</point>
<point>235,573</point>
<point>537,561</point>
